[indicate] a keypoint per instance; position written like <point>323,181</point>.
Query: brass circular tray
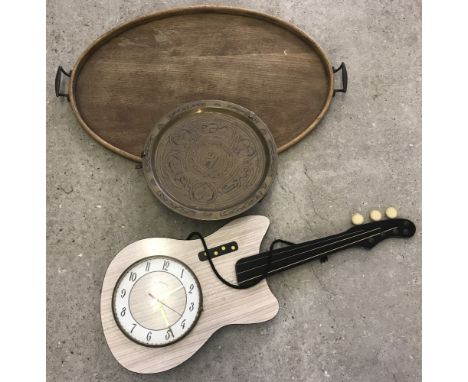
<point>210,160</point>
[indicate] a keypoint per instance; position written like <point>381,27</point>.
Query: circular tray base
<point>210,160</point>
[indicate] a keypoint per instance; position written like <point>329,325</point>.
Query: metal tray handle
<point>58,82</point>
<point>344,77</point>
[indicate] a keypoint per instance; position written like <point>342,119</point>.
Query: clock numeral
<point>182,273</point>
<point>148,336</point>
<point>134,326</point>
<point>132,276</point>
<point>183,324</point>
<point>169,334</point>
<point>192,305</point>
<point>147,268</point>
<point>122,313</point>
<point>123,293</point>
<point>191,288</point>
<point>165,265</point>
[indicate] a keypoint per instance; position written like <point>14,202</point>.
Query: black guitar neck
<point>250,269</point>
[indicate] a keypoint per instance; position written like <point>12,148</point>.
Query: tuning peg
<point>357,219</point>
<point>375,215</point>
<point>391,212</point>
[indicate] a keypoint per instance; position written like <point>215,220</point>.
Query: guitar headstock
<point>370,234</point>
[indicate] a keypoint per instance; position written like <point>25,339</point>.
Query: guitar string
<point>317,255</point>
<point>298,246</point>
<point>293,246</point>
<point>239,285</point>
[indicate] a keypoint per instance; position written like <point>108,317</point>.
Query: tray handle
<point>344,77</point>
<point>58,82</point>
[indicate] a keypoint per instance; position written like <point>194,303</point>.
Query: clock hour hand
<point>154,298</point>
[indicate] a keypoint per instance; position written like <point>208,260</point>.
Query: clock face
<point>157,301</point>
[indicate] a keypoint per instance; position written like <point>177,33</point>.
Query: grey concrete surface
<point>355,318</point>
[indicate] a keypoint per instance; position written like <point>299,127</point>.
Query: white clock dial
<point>157,301</point>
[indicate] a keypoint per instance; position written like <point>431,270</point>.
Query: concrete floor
<point>355,318</point>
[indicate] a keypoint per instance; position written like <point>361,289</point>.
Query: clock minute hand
<point>163,303</point>
<point>167,306</point>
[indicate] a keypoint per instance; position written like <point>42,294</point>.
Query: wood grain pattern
<point>221,305</point>
<point>210,160</point>
<point>132,76</point>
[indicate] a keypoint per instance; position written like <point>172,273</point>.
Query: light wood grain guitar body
<point>221,305</point>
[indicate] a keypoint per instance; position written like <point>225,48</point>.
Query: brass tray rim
<point>262,131</point>
<point>125,25</point>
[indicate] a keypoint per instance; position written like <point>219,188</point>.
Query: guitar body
<point>221,305</point>
<point>161,300</point>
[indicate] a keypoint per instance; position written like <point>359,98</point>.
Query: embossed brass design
<point>210,160</point>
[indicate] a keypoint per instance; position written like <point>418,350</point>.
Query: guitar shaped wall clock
<point>162,299</point>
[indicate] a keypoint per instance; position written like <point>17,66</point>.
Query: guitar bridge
<point>220,250</point>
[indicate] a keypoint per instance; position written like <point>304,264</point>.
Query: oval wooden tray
<point>210,160</point>
<point>132,76</point>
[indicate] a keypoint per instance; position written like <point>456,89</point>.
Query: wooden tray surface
<point>132,76</point>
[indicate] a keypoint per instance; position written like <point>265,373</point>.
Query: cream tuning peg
<point>375,215</point>
<point>391,212</point>
<point>357,219</point>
